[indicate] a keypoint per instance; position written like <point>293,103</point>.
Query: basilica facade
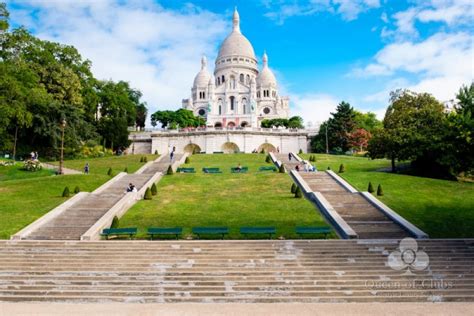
<point>238,94</point>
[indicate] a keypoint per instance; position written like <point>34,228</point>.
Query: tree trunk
<point>14,144</point>
<point>393,164</point>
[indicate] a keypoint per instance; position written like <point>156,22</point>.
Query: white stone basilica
<point>238,94</point>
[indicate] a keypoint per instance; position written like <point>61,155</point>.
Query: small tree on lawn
<point>66,192</point>
<point>370,188</point>
<point>115,222</point>
<point>282,168</point>
<point>379,190</point>
<point>154,190</point>
<point>342,168</point>
<point>170,170</point>
<point>148,195</point>
<point>156,152</point>
<point>187,160</point>
<point>145,159</point>
<point>298,193</point>
<point>301,151</point>
<point>110,172</point>
<point>268,159</point>
<point>141,159</point>
<point>329,168</point>
<point>125,170</point>
<point>77,189</point>
<point>293,188</point>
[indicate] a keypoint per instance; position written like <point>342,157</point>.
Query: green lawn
<point>232,200</point>
<point>32,194</point>
<point>16,173</point>
<point>441,208</point>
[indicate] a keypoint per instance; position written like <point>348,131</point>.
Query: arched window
<point>220,109</point>
<point>223,79</point>
<point>244,106</point>
<point>232,82</point>
<point>232,101</point>
<point>204,95</point>
<point>218,81</point>
<point>242,78</point>
<point>247,80</point>
<point>258,94</point>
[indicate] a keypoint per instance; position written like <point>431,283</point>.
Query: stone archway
<point>231,124</point>
<point>244,124</point>
<point>192,148</point>
<point>218,125</point>
<point>230,148</point>
<point>267,148</point>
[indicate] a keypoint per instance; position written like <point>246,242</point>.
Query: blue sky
<point>322,51</point>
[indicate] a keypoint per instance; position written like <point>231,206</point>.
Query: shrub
<point>314,158</point>
<point>370,188</point>
<point>141,159</point>
<point>66,192</point>
<point>154,190</point>
<point>77,189</point>
<point>298,193</point>
<point>268,159</point>
<point>329,168</point>
<point>110,172</point>
<point>342,168</point>
<point>125,170</point>
<point>170,170</point>
<point>187,160</point>
<point>148,195</point>
<point>32,165</point>
<point>156,152</point>
<point>379,190</point>
<point>115,222</point>
<point>301,151</point>
<point>282,168</point>
<point>293,188</point>
<point>145,159</point>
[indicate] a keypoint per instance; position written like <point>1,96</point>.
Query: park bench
<point>242,170</point>
<point>210,231</point>
<point>185,170</point>
<point>211,170</point>
<point>218,152</point>
<point>258,230</point>
<point>267,168</point>
<point>313,230</point>
<point>153,231</point>
<point>107,232</point>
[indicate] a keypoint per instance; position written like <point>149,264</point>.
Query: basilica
<point>238,94</point>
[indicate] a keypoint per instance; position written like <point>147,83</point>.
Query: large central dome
<point>236,44</point>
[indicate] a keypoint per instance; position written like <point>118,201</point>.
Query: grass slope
<point>16,173</point>
<point>24,200</point>
<point>441,208</point>
<point>232,200</point>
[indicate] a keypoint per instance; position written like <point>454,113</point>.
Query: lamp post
<point>133,144</point>
<point>327,144</point>
<point>61,160</point>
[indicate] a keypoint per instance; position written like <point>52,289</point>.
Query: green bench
<point>107,232</point>
<point>218,152</point>
<point>210,231</point>
<point>267,168</point>
<point>153,231</point>
<point>258,230</point>
<point>236,170</point>
<point>211,170</point>
<point>185,170</point>
<point>313,230</point>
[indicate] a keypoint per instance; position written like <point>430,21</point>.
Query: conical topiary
<point>370,188</point>
<point>154,190</point>
<point>66,192</point>
<point>282,168</point>
<point>125,170</point>
<point>141,159</point>
<point>109,172</point>
<point>77,189</point>
<point>342,168</point>
<point>156,152</point>
<point>298,193</point>
<point>268,159</point>
<point>329,168</point>
<point>115,222</point>
<point>145,159</point>
<point>301,151</point>
<point>170,170</point>
<point>314,158</point>
<point>148,195</point>
<point>187,160</point>
<point>379,190</point>
<point>293,188</point>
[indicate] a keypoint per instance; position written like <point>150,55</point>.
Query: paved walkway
<point>364,218</point>
<point>72,223</point>
<point>66,171</point>
<point>241,271</point>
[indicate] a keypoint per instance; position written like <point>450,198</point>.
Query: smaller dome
<point>203,76</point>
<point>266,76</point>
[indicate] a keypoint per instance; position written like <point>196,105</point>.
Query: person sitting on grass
<point>131,188</point>
<point>238,168</point>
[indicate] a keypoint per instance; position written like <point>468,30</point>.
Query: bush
<point>268,159</point>
<point>115,222</point>
<point>125,170</point>
<point>379,190</point>
<point>370,188</point>
<point>110,172</point>
<point>329,168</point>
<point>293,188</point>
<point>342,168</point>
<point>301,151</point>
<point>298,193</point>
<point>141,159</point>
<point>77,189</point>
<point>66,192</point>
<point>154,190</point>
<point>145,159</point>
<point>187,160</point>
<point>32,165</point>
<point>156,152</point>
<point>170,170</point>
<point>148,195</point>
<point>282,168</point>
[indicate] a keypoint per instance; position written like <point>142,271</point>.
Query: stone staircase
<point>309,271</point>
<point>289,164</point>
<point>76,220</point>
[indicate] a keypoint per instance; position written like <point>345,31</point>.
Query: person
<point>131,188</point>
<point>36,155</point>
<point>171,156</point>
<point>32,154</point>
<point>289,156</point>
<point>86,168</point>
<point>297,168</point>
<point>278,149</point>
<point>305,166</point>
<point>239,167</point>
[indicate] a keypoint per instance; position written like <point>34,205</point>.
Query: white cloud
<point>157,50</point>
<point>314,108</point>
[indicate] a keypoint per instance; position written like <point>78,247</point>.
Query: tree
<point>4,17</point>
<point>465,99</point>
<point>181,117</point>
<point>293,122</point>
<point>141,111</point>
<point>367,121</point>
<point>359,139</point>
